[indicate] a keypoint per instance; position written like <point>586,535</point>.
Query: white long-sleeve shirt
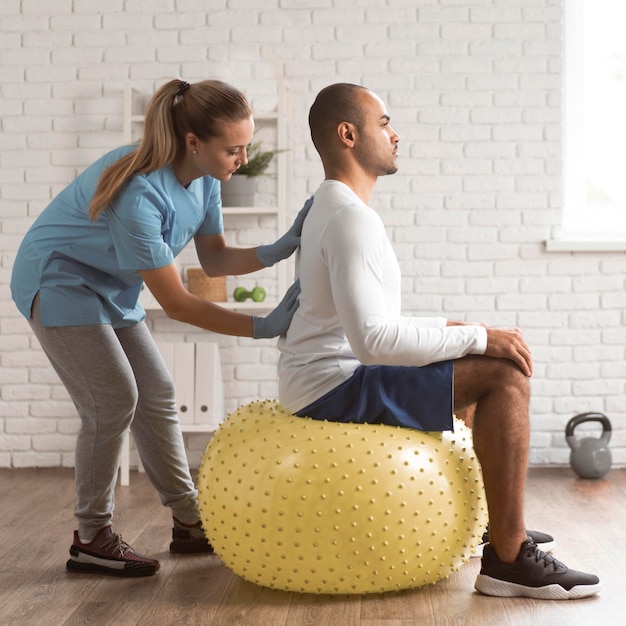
<point>350,305</point>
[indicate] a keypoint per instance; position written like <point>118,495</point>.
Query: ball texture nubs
<point>302,505</point>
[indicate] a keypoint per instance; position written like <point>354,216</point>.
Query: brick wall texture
<point>474,88</point>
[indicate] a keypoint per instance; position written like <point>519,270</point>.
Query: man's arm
<point>362,270</point>
<point>505,343</point>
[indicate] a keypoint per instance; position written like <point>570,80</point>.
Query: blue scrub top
<point>88,272</point>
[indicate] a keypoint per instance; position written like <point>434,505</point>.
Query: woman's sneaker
<point>533,575</point>
<point>544,541</point>
<point>107,554</point>
<point>189,539</point>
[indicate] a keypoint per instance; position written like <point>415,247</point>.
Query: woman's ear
<point>191,141</point>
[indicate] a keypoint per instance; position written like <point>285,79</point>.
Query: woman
<point>77,278</point>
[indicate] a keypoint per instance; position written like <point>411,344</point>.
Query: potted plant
<point>240,189</point>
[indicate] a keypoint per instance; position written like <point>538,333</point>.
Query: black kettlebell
<point>590,457</point>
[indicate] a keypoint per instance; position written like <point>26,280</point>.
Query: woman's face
<point>221,156</point>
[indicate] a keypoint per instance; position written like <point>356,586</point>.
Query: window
<point>595,121</point>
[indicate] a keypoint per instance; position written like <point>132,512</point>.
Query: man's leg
<point>501,441</point>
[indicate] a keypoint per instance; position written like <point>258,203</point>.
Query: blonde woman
<point>77,278</point>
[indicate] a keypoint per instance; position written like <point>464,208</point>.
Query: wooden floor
<point>36,524</point>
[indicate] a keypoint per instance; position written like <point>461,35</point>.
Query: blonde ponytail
<point>176,109</point>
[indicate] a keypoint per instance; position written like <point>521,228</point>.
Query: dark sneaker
<point>108,554</point>
<point>544,541</point>
<point>534,574</point>
<point>189,539</point>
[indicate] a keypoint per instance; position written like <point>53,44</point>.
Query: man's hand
<point>508,343</point>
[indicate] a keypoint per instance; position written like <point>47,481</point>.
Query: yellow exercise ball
<point>313,506</point>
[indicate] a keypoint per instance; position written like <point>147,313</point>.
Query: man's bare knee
<point>476,377</point>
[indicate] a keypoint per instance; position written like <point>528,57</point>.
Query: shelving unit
<point>134,104</point>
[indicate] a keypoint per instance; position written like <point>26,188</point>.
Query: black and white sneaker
<point>107,554</point>
<point>544,541</point>
<point>534,574</point>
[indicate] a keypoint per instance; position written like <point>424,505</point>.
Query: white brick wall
<point>473,88</point>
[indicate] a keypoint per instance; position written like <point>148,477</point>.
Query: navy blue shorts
<point>411,397</point>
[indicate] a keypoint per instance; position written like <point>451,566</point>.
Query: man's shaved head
<point>335,104</point>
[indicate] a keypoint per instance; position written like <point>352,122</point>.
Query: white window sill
<point>586,245</point>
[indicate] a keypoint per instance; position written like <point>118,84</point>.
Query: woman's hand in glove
<point>277,322</point>
<point>287,244</point>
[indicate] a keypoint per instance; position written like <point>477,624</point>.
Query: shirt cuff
<point>481,340</point>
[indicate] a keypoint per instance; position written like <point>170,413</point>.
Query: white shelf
<point>268,116</point>
<point>197,428</point>
<point>582,245</point>
<point>250,210</point>
<point>149,303</point>
<point>267,305</point>
<point>132,99</point>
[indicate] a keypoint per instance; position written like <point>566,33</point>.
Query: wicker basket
<point>207,287</point>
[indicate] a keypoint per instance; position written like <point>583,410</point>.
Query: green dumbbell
<point>241,293</point>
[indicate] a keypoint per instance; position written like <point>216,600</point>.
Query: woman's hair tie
<point>183,87</point>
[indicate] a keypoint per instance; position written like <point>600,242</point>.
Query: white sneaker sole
<point>503,589</point>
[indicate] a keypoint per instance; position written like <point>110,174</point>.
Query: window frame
<point>571,234</point>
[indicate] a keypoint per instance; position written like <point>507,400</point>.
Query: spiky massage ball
<point>312,506</point>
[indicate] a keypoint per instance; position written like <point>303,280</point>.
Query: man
<point>349,355</point>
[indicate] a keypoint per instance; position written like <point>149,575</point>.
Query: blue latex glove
<point>277,322</point>
<point>287,244</point>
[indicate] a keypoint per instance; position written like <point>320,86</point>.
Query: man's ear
<point>347,133</point>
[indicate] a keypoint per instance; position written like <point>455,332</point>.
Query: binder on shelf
<point>197,374</point>
<point>209,398</point>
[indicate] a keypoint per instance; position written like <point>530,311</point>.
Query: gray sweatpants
<point>116,379</point>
